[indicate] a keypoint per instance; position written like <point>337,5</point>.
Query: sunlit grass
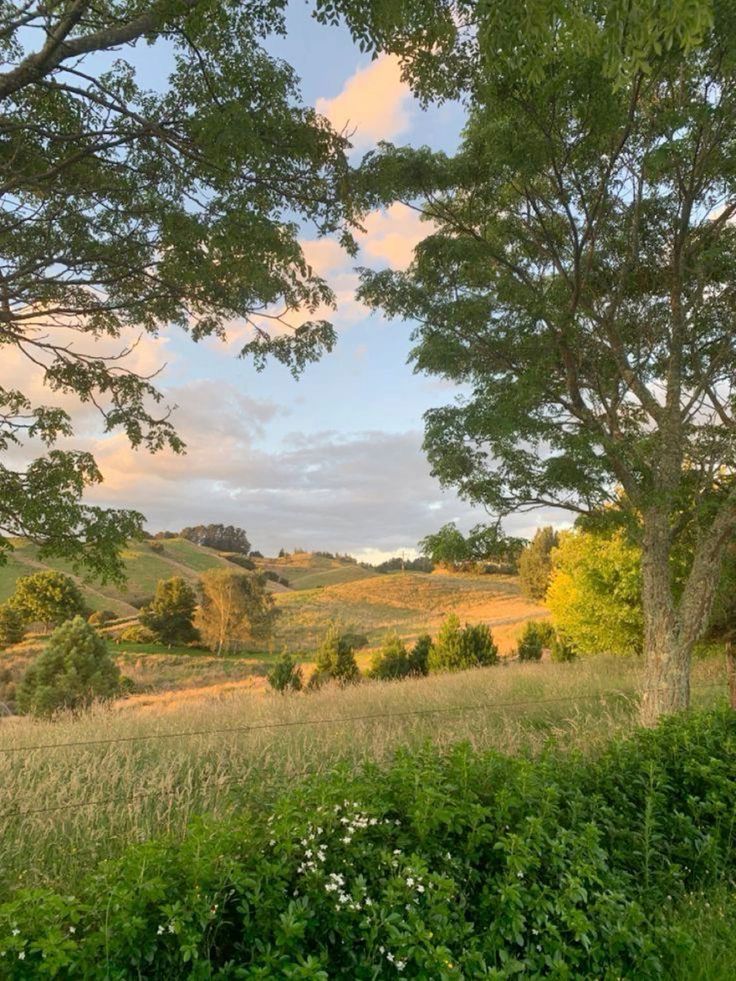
<point>151,786</point>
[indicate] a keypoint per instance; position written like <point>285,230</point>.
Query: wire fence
<point>333,720</point>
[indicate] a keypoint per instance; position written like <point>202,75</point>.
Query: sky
<point>332,461</point>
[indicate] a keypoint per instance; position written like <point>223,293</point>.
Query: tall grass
<point>143,787</point>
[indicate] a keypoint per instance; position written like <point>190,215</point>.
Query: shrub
<point>74,670</point>
<point>531,643</point>
<point>449,865</point>
<point>12,627</point>
<point>562,650</point>
<point>355,637</point>
<point>241,560</point>
<point>419,657</point>
<point>535,564</point>
<point>100,617</point>
<point>171,613</point>
<point>157,547</point>
<point>286,674</point>
<point>392,661</point>
<point>458,649</point>
<point>48,597</point>
<point>335,658</point>
<point>136,633</point>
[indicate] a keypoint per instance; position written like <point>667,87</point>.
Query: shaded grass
<point>707,921</point>
<point>146,787</point>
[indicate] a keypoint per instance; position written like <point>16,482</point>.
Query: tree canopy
<point>578,282</point>
<point>126,209</point>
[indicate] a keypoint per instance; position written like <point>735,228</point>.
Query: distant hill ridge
<point>148,561</point>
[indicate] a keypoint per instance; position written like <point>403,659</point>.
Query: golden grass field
<point>81,803</point>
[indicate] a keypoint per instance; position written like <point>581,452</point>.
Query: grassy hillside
<point>308,570</point>
<point>144,567</point>
<point>410,602</point>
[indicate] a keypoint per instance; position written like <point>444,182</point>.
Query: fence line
<point>461,709</point>
<point>336,720</point>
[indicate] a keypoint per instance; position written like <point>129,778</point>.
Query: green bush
<point>12,626</point>
<point>419,657</point>
<point>445,865</point>
<point>391,662</point>
<point>457,649</point>
<point>562,650</point>
<point>531,643</point>
<point>100,617</point>
<point>136,633</point>
<point>74,670</point>
<point>335,658</point>
<point>286,674</point>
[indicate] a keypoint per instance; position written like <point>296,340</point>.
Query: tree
<point>224,538</point>
<point>595,593</point>
<point>535,564</point>
<point>579,282</point>
<point>171,613</point>
<point>12,625</point>
<point>235,611</point>
<point>130,209</point>
<point>335,658</point>
<point>48,597</point>
<point>419,656</point>
<point>74,670</point>
<point>457,649</point>
<point>531,643</point>
<point>447,547</point>
<point>286,674</point>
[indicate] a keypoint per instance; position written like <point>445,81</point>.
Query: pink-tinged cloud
<point>374,103</point>
<point>392,233</point>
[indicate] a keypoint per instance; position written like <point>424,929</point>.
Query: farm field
<point>203,752</point>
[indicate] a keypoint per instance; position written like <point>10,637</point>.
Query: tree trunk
<point>667,658</point>
<point>731,670</point>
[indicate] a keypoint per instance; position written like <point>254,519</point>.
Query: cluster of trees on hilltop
<point>485,548</point>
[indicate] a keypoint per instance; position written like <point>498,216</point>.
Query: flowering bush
<point>446,865</point>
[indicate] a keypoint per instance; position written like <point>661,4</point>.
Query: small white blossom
<point>72,929</point>
<point>400,965</point>
<point>519,875</point>
<point>21,955</point>
<point>420,888</point>
<point>16,932</point>
<point>160,930</point>
<point>172,928</point>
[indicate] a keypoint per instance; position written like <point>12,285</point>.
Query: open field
<point>126,791</point>
<point>307,570</point>
<point>409,602</point>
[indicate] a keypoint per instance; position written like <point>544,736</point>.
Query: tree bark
<point>667,658</point>
<point>731,671</point>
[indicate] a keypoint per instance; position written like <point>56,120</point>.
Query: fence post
<point>731,672</point>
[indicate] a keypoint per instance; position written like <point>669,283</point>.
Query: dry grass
<point>410,602</point>
<point>149,786</point>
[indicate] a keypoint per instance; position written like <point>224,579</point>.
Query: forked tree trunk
<point>671,631</point>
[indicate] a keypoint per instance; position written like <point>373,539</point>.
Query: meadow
<point>160,762</point>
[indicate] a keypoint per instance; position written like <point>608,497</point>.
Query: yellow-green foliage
<point>594,593</point>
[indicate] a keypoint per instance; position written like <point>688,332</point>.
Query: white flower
<point>381,950</point>
<point>172,928</point>
<point>346,840</point>
<point>409,881</point>
<point>308,853</point>
<point>16,932</point>
<point>160,931</point>
<point>390,957</point>
<point>400,965</point>
<point>272,842</point>
<point>420,888</point>
<point>519,875</point>
<point>21,955</point>
<point>397,851</point>
<point>72,929</point>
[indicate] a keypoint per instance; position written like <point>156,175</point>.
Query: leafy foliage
<point>73,671</point>
<point>450,864</point>
<point>457,648</point>
<point>136,634</point>
<point>48,597</point>
<point>170,616</point>
<point>419,656</point>
<point>535,564</point>
<point>531,643</point>
<point>224,538</point>
<point>12,625</point>
<point>99,618</point>
<point>391,662</point>
<point>235,611</point>
<point>484,544</point>
<point>595,593</point>
<point>127,208</point>
<point>335,658</point>
<point>286,674</point>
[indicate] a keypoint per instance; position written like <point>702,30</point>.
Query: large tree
<point>579,282</point>
<point>129,208</point>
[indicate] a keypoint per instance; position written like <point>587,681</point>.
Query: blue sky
<point>334,460</point>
